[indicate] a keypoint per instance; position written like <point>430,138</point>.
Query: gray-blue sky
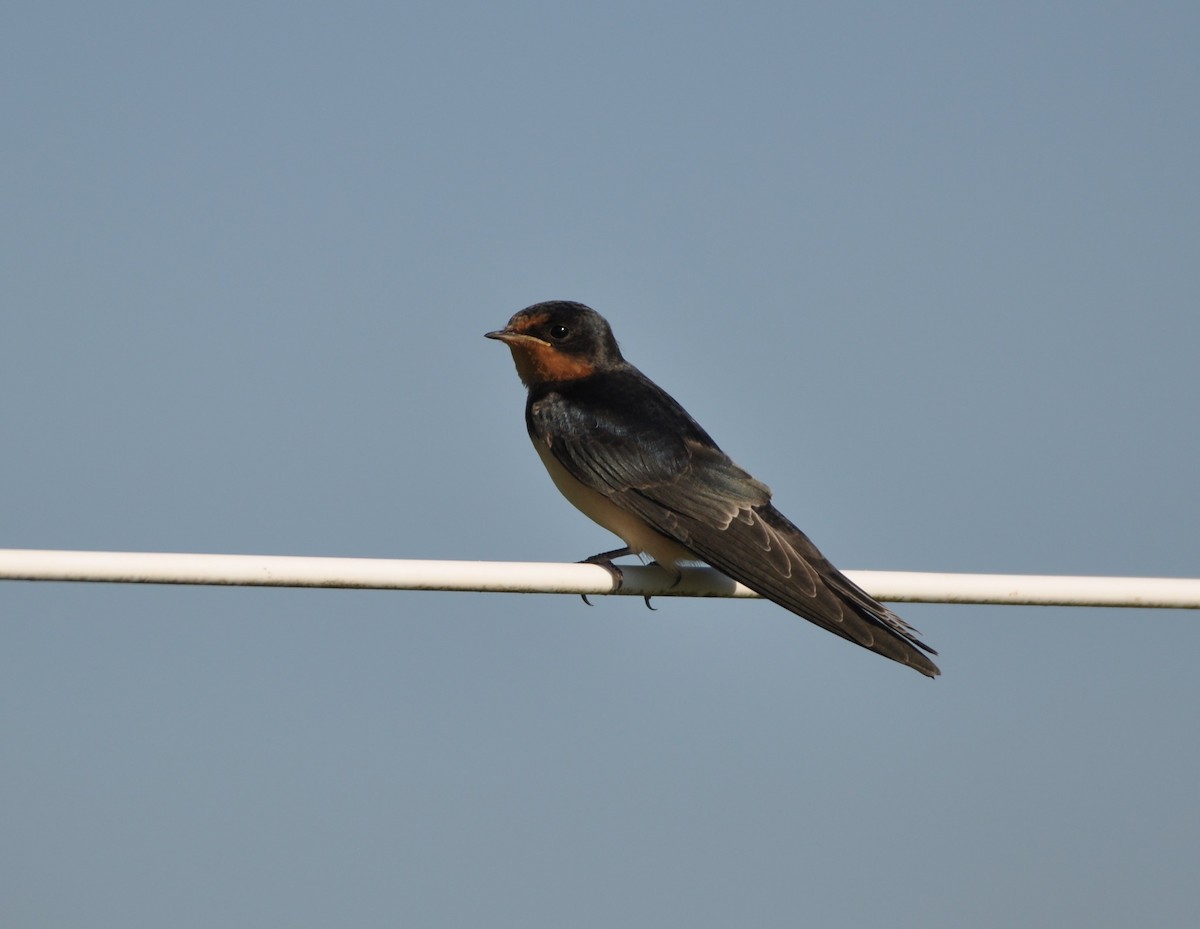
<point>928,270</point>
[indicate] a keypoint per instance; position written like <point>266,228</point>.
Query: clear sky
<point>930,270</point>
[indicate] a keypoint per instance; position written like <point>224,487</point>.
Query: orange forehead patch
<point>538,362</point>
<point>525,323</point>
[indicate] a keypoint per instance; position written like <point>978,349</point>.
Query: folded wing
<point>678,481</point>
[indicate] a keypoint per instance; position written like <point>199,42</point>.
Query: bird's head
<point>558,341</point>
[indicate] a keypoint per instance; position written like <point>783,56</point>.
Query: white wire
<point>536,577</point>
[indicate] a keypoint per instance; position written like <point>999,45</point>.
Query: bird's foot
<point>670,570</point>
<point>673,570</point>
<point>605,560</point>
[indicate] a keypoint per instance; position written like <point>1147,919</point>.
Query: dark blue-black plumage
<point>606,425</point>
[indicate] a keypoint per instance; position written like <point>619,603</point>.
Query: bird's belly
<point>633,530</point>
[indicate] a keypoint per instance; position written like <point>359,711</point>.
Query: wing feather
<point>675,478</point>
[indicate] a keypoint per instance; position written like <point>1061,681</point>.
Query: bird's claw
<point>604,560</point>
<point>678,577</point>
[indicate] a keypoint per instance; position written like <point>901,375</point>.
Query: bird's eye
<point>558,333</point>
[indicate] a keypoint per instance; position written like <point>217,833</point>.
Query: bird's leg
<point>605,560</point>
<point>673,569</point>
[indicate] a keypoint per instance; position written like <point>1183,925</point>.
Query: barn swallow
<point>624,452</point>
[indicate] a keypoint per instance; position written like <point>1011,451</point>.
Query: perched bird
<point>624,452</point>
